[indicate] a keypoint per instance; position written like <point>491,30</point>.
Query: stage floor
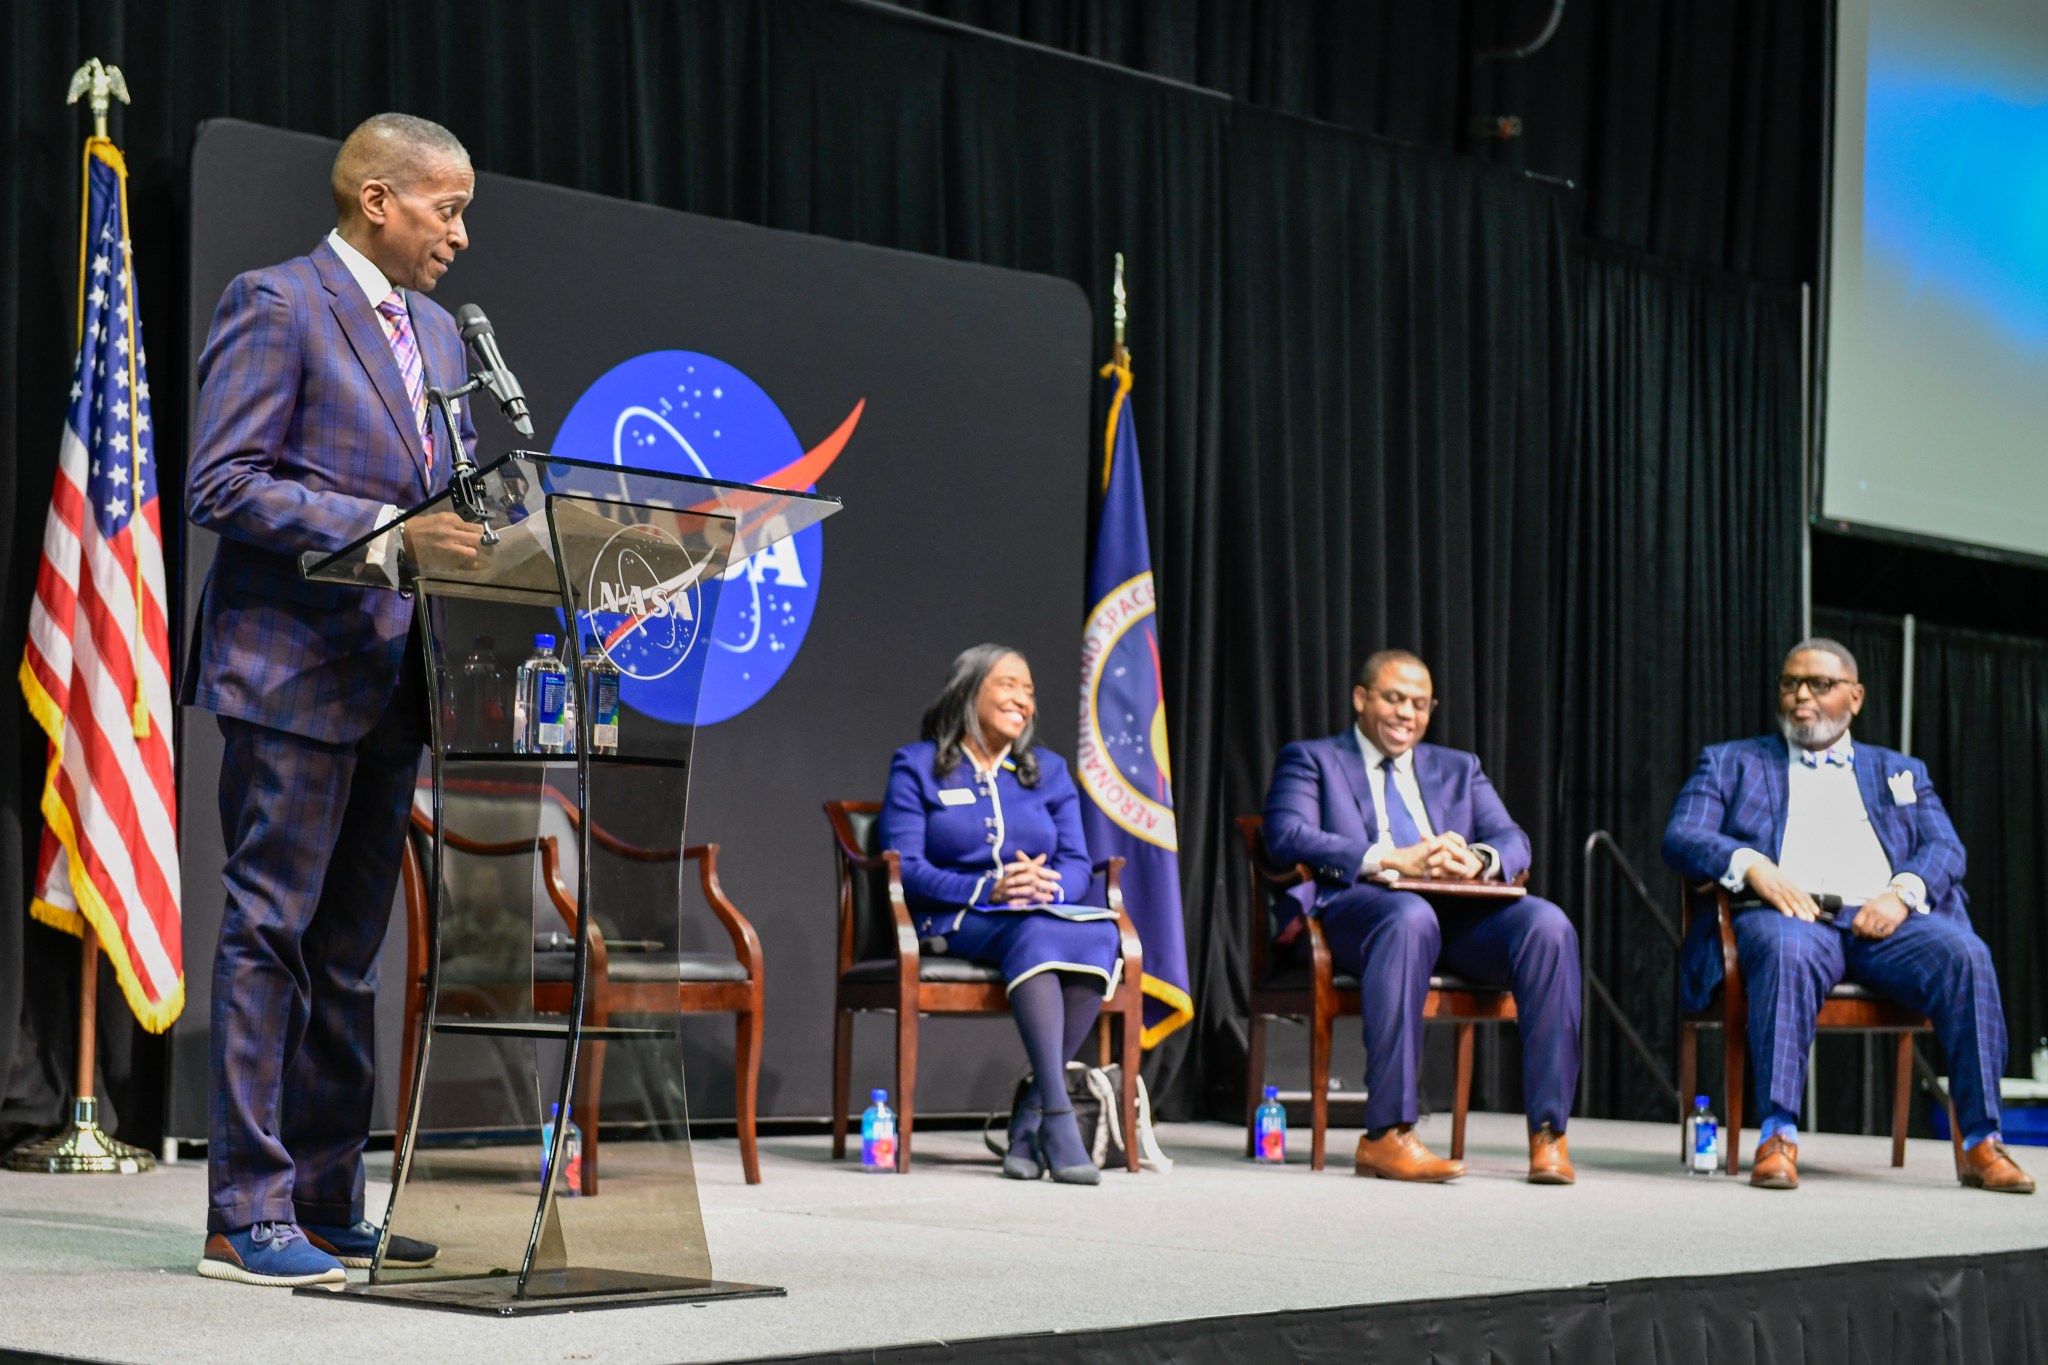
<point>101,1268</point>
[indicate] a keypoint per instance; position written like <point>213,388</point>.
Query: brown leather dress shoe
<point>1400,1155</point>
<point>1777,1165</point>
<point>1988,1166</point>
<point>1550,1160</point>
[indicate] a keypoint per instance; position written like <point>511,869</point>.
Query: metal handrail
<point>1595,988</point>
<point>1600,838</point>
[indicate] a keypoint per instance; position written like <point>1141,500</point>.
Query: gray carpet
<point>102,1267</point>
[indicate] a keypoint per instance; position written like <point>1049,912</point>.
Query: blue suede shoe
<point>355,1247</point>
<point>277,1255</point>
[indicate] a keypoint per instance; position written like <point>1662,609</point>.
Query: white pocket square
<point>1902,789</point>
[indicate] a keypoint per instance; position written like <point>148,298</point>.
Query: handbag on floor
<point>1094,1092</point>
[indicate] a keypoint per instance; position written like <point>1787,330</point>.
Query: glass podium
<point>516,846</point>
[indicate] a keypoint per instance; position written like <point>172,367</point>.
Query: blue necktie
<point>1400,824</point>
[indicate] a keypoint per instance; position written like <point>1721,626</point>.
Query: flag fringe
<point>154,1015</point>
<point>1173,997</point>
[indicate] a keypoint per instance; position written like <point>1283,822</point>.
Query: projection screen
<point>1936,367</point>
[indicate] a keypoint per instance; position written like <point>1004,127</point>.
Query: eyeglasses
<point>1394,700</point>
<point>1820,687</point>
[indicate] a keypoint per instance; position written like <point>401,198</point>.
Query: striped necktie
<point>408,356</point>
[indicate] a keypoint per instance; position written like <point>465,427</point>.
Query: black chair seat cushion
<point>635,968</point>
<point>948,970</point>
<point>1298,978</point>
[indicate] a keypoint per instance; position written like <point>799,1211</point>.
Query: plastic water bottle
<point>601,697</point>
<point>568,719</point>
<point>1702,1140</point>
<point>878,1136</point>
<point>479,701</point>
<point>572,1153</point>
<point>543,700</point>
<point>1269,1130</point>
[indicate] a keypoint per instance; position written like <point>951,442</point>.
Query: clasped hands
<point>1875,918</point>
<point>1442,857</point>
<point>1026,881</point>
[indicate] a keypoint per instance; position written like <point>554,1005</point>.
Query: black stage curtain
<point>1980,720</point>
<point>1395,411</point>
<point>1679,593</point>
<point>1358,365</point>
<point>1694,130</point>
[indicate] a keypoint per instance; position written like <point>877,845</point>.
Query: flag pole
<point>87,1149</point>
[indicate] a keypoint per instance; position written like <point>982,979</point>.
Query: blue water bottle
<point>1269,1130</point>
<point>572,1153</point>
<point>1702,1139</point>
<point>878,1136</point>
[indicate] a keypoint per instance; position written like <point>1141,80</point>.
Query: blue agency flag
<point>1122,762</point>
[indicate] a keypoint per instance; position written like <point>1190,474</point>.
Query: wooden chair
<point>1319,994</point>
<point>880,969</point>
<point>1849,1008</point>
<point>653,982</point>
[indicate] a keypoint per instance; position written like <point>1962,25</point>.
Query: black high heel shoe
<point>1084,1174</point>
<point>1022,1162</point>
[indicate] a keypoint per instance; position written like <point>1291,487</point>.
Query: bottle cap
<point>1699,1101</point>
<point>589,644</point>
<point>879,1096</point>
<point>1272,1092</point>
<point>543,641</point>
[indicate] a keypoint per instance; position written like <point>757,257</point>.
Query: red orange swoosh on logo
<point>801,473</point>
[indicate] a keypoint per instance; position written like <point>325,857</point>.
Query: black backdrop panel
<point>964,482</point>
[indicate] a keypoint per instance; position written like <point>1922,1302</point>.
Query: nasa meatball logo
<point>644,602</point>
<point>683,412</point>
<point>1122,758</point>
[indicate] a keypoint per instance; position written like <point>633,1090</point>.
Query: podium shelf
<point>564,760</point>
<point>539,1029</point>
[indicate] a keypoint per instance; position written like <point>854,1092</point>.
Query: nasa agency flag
<point>1125,773</point>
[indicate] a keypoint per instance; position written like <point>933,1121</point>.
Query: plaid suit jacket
<point>303,435</point>
<point>1736,798</point>
<point>1319,812</point>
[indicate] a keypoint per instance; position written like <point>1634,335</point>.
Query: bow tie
<point>1834,756</point>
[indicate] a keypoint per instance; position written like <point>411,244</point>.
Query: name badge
<point>956,796</point>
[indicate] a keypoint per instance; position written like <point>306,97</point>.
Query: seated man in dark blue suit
<point>1373,805</point>
<point>1782,819</point>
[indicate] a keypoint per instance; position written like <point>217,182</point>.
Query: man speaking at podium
<point>313,429</point>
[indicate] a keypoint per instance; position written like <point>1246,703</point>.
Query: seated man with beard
<point>1783,819</point>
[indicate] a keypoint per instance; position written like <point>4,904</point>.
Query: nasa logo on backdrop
<point>682,412</point>
<point>1122,759</point>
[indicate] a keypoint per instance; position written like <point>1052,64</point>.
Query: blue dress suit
<point>954,832</point>
<point>1737,798</point>
<point>1319,811</point>
<point>304,433</point>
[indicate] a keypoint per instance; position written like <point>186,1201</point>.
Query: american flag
<point>97,670</point>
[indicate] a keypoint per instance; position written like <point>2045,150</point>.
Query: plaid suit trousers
<point>1931,963</point>
<point>314,833</point>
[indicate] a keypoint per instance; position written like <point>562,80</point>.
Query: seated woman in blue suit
<point>994,864</point>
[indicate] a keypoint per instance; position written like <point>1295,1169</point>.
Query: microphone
<point>497,375</point>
